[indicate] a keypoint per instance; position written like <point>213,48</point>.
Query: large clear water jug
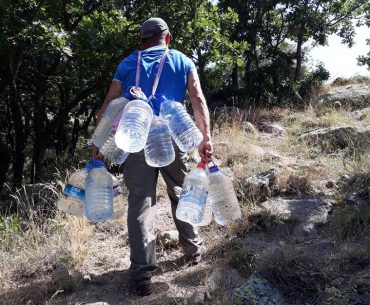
<point>98,192</point>
<point>207,218</point>
<point>193,196</point>
<point>73,197</point>
<point>225,204</point>
<point>104,128</point>
<point>159,151</point>
<point>133,128</point>
<point>112,153</point>
<point>182,128</point>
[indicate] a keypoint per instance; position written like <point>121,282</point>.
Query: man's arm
<point>201,115</point>
<point>113,93</point>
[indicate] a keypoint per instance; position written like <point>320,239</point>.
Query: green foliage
<point>57,59</point>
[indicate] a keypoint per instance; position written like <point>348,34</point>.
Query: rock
<point>259,186</point>
<point>62,278</point>
<point>330,184</point>
<point>338,282</point>
<point>257,291</point>
<point>197,298</point>
<point>308,213</point>
<point>355,96</point>
<point>329,138</point>
<point>226,278</point>
<point>248,127</point>
<point>273,128</point>
<point>332,138</point>
<point>169,239</point>
<point>360,114</point>
<point>305,231</point>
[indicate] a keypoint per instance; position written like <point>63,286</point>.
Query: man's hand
<point>205,150</point>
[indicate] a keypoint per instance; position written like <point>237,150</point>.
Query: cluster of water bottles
<point>204,195</point>
<point>128,127</point>
<point>93,192</point>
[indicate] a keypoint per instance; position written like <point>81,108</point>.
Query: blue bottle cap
<point>94,164</point>
<point>213,169</point>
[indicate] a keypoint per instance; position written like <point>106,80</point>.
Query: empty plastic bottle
<point>207,218</point>
<point>193,196</point>
<point>225,205</point>
<point>72,199</point>
<point>98,192</point>
<point>159,151</point>
<point>112,153</point>
<point>182,128</point>
<point>104,128</point>
<point>133,128</point>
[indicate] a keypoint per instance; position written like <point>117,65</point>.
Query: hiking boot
<point>143,287</point>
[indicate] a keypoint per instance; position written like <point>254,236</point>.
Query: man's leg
<point>141,181</point>
<point>174,175</point>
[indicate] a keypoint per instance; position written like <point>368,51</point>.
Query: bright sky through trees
<point>340,60</point>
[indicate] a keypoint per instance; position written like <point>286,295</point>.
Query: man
<point>178,74</point>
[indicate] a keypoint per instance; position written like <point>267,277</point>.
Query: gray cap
<point>152,27</point>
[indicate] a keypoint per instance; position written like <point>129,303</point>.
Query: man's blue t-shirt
<point>173,81</point>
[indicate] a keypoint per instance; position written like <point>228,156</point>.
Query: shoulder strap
<point>138,69</point>
<point>158,76</point>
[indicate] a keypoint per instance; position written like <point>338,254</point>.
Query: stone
<point>338,282</point>
<point>248,127</point>
<point>360,114</point>
<point>273,128</point>
<point>169,239</point>
<point>354,96</point>
<point>226,278</point>
<point>305,231</point>
<point>62,278</point>
<point>330,184</point>
<point>197,298</point>
<point>329,138</point>
<point>257,291</point>
<point>260,185</point>
<point>307,213</point>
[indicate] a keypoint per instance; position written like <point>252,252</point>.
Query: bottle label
<point>197,193</point>
<point>72,191</point>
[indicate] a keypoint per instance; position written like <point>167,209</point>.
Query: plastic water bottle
<point>193,196</point>
<point>112,153</point>
<point>104,128</point>
<point>225,205</point>
<point>207,218</point>
<point>98,192</point>
<point>159,151</point>
<point>182,128</point>
<point>72,200</point>
<point>134,126</point>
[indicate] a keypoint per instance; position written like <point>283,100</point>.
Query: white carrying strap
<point>158,75</point>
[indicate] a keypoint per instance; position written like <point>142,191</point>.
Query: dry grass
<point>34,242</point>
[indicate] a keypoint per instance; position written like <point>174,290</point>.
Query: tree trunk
<point>19,134</point>
<point>297,75</point>
<point>235,84</point>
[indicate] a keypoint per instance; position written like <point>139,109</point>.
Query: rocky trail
<point>292,246</point>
